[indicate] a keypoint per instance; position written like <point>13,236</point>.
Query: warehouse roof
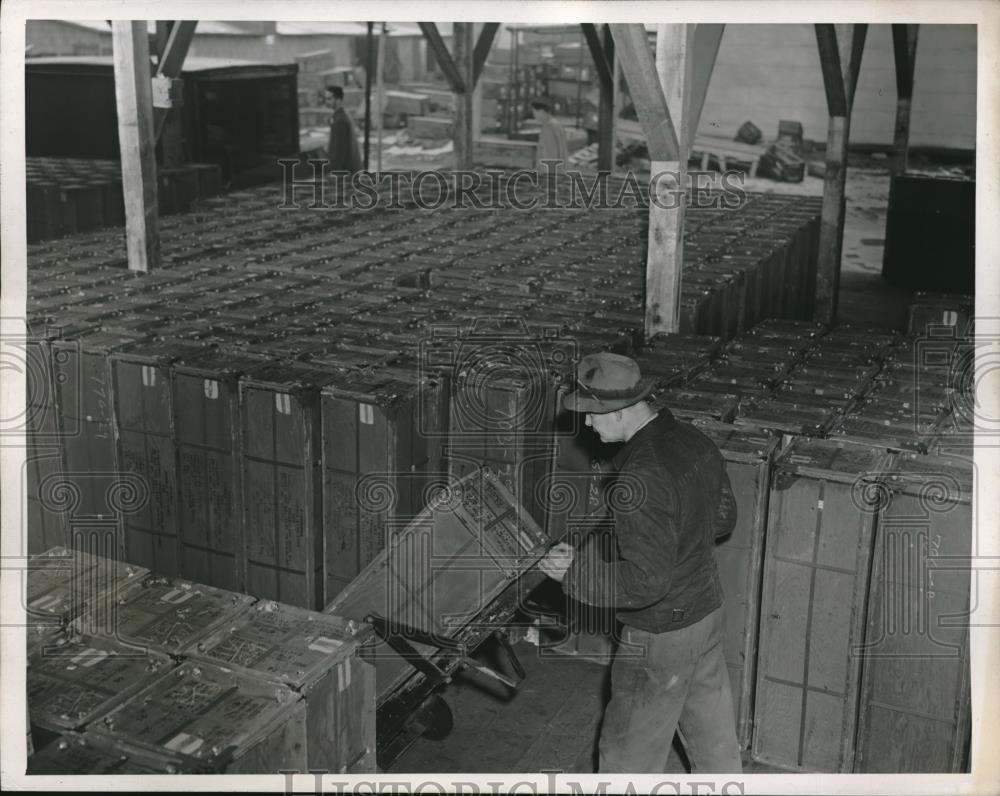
<point>282,28</point>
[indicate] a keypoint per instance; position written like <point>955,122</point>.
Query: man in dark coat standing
<point>343,149</point>
<point>669,671</point>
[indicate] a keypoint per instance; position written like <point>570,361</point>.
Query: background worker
<point>551,137</point>
<point>669,670</point>
<point>342,149</point>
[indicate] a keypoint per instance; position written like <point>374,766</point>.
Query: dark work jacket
<point>343,149</point>
<point>670,502</point>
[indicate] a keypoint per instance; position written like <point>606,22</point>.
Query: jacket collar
<point>651,430</point>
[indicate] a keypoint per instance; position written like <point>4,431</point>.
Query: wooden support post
<point>483,44</point>
<point>136,137</point>
<point>707,39</point>
<point>840,48</point>
<point>369,68</point>
<point>379,98</point>
<point>602,51</point>
<point>463,35</point>
<point>904,48</point>
<point>616,106</point>
<point>444,60</point>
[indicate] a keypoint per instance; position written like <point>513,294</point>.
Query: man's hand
<point>557,561</point>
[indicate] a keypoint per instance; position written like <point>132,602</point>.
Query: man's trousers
<point>664,681</point>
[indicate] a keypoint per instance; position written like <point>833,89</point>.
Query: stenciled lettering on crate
<point>915,676</point>
<point>815,586</point>
<point>317,656</point>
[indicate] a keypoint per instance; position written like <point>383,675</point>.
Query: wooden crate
<point>280,467</point>
<point>168,615</point>
<point>433,127</point>
<point>46,524</point>
<point>206,435</point>
<point>145,431</point>
<point>92,753</point>
<point>749,458</point>
<point>86,417</point>
<point>504,420</point>
<point>503,153</point>
<point>444,570</point>
<point>915,690</point>
<point>315,655</point>
<point>815,585</point>
<point>65,583</point>
<point>382,445</point>
<point>407,103</point>
<point>79,681</point>
<point>213,716</point>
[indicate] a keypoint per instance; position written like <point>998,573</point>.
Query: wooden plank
<point>136,136</point>
<point>707,39</point>
<point>904,48</point>
<point>463,35</point>
<point>840,65</point>
<point>482,50</point>
<point>598,53</point>
<point>665,253</point>
<point>452,72</point>
<point>646,88</point>
<point>606,103</point>
<point>833,76</point>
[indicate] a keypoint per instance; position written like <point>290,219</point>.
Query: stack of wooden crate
<point>176,677</point>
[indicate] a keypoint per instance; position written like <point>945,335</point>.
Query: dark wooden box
<point>206,435</point>
<point>382,445</point>
<point>92,753</point>
<point>281,462</point>
<point>145,433</point>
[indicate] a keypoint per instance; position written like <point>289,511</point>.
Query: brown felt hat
<point>606,383</point>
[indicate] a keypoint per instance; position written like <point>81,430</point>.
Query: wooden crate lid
<point>78,679</point>
<point>738,444</point>
<point>168,614</point>
<point>91,753</point>
<point>63,582</point>
<point>201,711</point>
<point>941,479</point>
<point>834,460</point>
<point>278,642</point>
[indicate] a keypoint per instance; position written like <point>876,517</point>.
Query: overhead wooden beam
<point>443,57</point>
<point>904,48</point>
<point>840,49</point>
<point>598,53</point>
<point>639,68</point>
<point>482,51</point>
<point>463,37</point>
<point>168,70</point>
<point>707,39</point>
<point>134,103</point>
<point>833,75</point>
<point>665,252</point>
<point>606,107</point>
